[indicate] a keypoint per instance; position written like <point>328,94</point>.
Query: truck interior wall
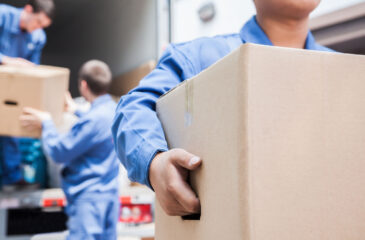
<point>123,33</point>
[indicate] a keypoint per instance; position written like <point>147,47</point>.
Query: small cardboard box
<point>40,87</point>
<point>122,84</point>
<point>282,136</point>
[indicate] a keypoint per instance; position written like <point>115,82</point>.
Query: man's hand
<point>70,105</point>
<point>169,172</point>
<point>32,119</point>
<point>20,62</point>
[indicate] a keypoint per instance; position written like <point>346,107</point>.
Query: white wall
<point>332,5</point>
<point>230,16</point>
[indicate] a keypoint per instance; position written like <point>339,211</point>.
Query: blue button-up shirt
<point>137,132</point>
<point>15,42</point>
<point>86,151</point>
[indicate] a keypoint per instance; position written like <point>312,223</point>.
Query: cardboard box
<point>282,136</point>
<point>122,84</point>
<point>40,87</point>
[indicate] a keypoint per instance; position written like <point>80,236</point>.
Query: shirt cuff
<point>1,58</point>
<point>48,128</point>
<point>144,156</point>
<point>79,113</point>
<point>47,124</point>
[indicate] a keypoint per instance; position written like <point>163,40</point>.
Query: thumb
<point>185,159</point>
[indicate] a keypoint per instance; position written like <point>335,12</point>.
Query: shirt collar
<point>100,100</point>
<point>15,26</point>
<point>253,33</point>
<point>310,43</point>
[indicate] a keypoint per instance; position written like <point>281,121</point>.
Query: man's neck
<point>91,98</point>
<point>285,33</point>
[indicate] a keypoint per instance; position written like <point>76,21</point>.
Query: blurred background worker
<point>89,175</point>
<point>22,39</point>
<point>138,133</point>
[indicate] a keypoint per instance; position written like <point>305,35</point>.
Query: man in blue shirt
<point>21,42</point>
<point>90,165</point>
<point>137,132</point>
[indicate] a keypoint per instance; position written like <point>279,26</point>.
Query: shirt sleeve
<point>2,11</point>
<point>64,148</point>
<point>35,57</point>
<point>137,132</point>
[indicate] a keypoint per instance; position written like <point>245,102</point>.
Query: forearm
<point>137,131</point>
<point>36,57</point>
<point>49,130</point>
<point>138,136</point>
<point>65,148</point>
<point>50,135</point>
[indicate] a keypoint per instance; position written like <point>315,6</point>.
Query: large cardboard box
<point>122,84</point>
<point>282,136</point>
<point>40,87</point>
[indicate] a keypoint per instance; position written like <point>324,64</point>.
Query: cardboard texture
<point>281,133</point>
<point>40,87</point>
<point>122,84</point>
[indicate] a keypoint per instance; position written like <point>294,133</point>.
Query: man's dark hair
<point>97,76</point>
<point>46,6</point>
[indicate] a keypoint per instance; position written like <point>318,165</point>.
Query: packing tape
<point>189,91</point>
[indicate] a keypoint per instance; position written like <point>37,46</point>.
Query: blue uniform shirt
<point>86,152</point>
<point>15,42</point>
<point>137,132</point>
